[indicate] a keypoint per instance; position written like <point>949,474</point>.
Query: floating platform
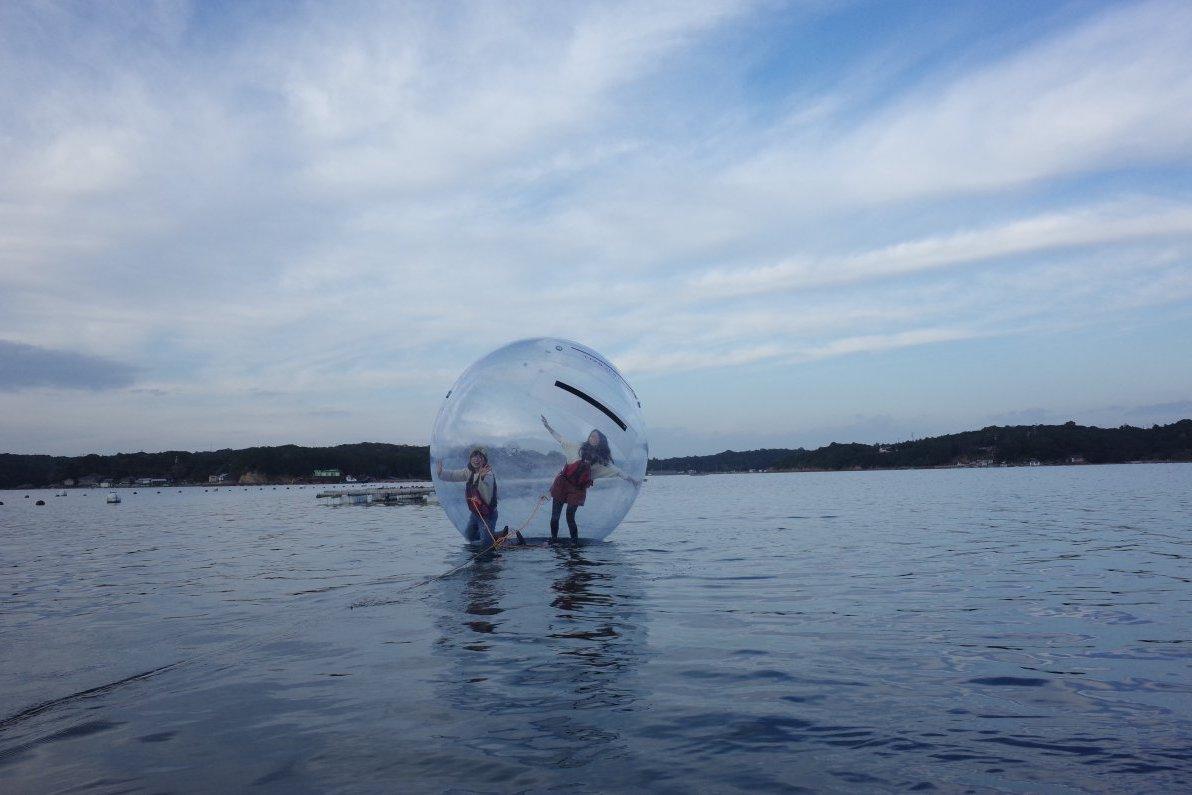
<point>398,495</point>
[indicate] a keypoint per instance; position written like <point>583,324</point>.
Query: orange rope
<point>496,543</point>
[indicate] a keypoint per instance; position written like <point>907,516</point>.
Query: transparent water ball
<point>529,407</point>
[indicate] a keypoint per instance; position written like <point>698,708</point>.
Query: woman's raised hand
<point>551,430</point>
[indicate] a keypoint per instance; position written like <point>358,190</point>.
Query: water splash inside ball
<point>533,409</point>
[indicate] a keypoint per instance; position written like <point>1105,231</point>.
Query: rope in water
<point>497,541</point>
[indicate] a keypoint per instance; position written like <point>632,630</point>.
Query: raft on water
<point>400,495</point>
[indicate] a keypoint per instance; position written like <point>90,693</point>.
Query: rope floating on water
<point>497,542</point>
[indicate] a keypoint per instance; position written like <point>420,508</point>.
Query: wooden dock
<point>395,495</point>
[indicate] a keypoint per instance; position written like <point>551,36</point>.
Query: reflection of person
<point>586,463</point>
<point>480,490</point>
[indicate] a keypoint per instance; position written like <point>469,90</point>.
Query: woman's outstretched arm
<point>551,430</point>
<point>600,471</point>
<point>452,475</point>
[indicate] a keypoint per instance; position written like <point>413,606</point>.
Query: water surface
<point>987,630</point>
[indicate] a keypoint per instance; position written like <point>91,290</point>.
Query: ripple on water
<point>960,630</point>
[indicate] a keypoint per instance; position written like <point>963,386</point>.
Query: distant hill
<point>728,461</point>
<point>287,463</point>
<point>992,446</point>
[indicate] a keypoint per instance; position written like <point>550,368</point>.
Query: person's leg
<point>571,526</point>
<point>492,523</point>
<point>556,508</point>
<point>473,531</point>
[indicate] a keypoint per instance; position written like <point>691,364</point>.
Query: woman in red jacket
<point>586,463</point>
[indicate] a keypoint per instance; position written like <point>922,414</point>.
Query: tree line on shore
<point>1006,445</point>
<point>283,464</point>
<point>992,446</point>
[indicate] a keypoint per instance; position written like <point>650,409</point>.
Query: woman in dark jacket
<point>480,491</point>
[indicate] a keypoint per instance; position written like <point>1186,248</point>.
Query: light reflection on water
<point>997,630</point>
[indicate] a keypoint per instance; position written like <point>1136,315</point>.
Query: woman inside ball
<point>480,491</point>
<point>586,463</point>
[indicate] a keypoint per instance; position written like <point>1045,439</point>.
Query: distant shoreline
<point>808,471</point>
<point>216,487</point>
<point>377,462</point>
<point>991,447</point>
<point>362,484</point>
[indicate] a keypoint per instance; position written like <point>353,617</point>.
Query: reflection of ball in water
<point>498,405</point>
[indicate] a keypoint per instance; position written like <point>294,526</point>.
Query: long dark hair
<point>596,453</point>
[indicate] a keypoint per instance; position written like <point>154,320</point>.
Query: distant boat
<point>113,498</point>
<point>60,494</point>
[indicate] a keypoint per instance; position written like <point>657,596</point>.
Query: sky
<point>244,223</point>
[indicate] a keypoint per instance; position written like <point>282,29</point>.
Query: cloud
<point>341,208</point>
<point>1115,223</point>
<point>377,108</point>
<point>1037,274</point>
<point>1178,408</point>
<point>1115,90</point>
<point>28,366</point>
<point>671,441</point>
<point>1103,416</point>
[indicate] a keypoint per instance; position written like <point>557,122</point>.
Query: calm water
<point>985,630</point>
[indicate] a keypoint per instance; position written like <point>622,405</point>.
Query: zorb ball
<point>530,407</point>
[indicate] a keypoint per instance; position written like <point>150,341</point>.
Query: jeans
<point>475,530</point>
<point>556,507</point>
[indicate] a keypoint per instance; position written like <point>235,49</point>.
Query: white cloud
<point>1112,92</point>
<point>1118,222</point>
<point>410,101</point>
<point>342,202</point>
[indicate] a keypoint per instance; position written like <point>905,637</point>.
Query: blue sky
<point>235,224</point>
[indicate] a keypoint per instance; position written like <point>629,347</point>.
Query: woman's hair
<point>596,453</point>
<point>476,452</point>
